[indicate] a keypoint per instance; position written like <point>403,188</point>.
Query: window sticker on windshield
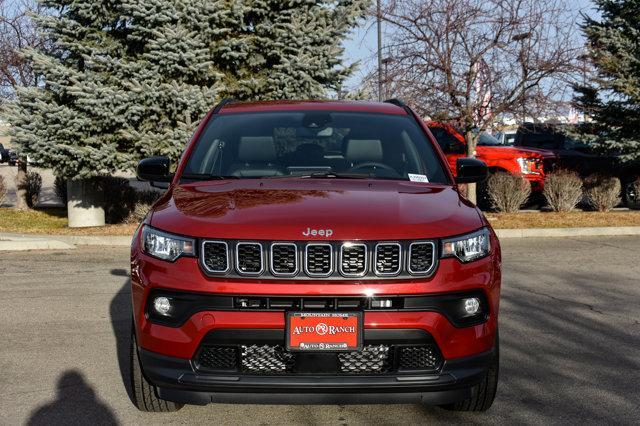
<point>418,178</point>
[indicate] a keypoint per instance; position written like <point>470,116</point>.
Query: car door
<point>452,147</point>
<point>581,157</point>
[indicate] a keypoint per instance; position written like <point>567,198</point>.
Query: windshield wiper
<point>333,175</point>
<point>204,176</point>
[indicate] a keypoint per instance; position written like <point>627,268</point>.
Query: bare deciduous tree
<point>472,61</point>
<point>17,31</point>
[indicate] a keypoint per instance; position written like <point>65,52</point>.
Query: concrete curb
<point>95,240</point>
<point>11,243</point>
<point>567,232</point>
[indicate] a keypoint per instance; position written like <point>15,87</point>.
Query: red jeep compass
<point>314,252</point>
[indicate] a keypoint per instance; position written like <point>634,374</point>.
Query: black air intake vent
<point>421,257</point>
<point>319,259</point>
<point>353,259</point>
<point>215,256</point>
<point>249,258</point>
<point>388,259</point>
<point>284,259</point>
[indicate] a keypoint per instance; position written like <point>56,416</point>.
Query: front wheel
<point>487,388</point>
<point>144,393</point>
<point>631,193</point>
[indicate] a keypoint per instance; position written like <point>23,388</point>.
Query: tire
<point>487,388</point>
<point>630,194</point>
<point>144,393</point>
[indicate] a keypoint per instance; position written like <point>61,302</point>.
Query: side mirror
<point>155,169</point>
<point>470,170</point>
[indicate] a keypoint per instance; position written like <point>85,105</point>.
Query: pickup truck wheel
<point>630,193</point>
<point>144,393</point>
<point>487,388</point>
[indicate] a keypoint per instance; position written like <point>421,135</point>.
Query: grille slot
<point>388,259</point>
<point>372,359</point>
<point>249,258</point>
<point>218,358</point>
<point>215,256</point>
<point>353,259</point>
<point>284,259</point>
<point>421,257</point>
<point>419,358</point>
<point>319,260</point>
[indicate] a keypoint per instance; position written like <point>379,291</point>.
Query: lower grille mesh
<point>372,359</point>
<point>275,359</point>
<point>265,359</point>
<point>419,358</point>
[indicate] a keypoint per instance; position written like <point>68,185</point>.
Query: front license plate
<point>324,331</point>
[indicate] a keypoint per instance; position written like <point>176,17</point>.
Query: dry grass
<point>52,221</point>
<point>574,219</point>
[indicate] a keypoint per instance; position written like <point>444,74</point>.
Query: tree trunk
<point>21,185</point>
<point>85,200</point>
<point>470,139</point>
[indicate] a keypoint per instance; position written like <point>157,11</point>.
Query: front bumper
<point>177,380</point>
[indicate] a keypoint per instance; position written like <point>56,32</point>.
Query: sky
<point>362,44</point>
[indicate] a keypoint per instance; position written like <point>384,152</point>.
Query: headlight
<point>166,246</point>
<point>467,247</point>
<point>529,166</point>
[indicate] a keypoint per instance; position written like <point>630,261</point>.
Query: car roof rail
<point>222,103</point>
<point>396,102</point>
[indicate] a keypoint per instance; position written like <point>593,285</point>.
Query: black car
<point>12,158</point>
<point>4,154</point>
<point>572,154</point>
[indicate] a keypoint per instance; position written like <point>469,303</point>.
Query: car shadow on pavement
<point>120,312</point>
<point>75,403</point>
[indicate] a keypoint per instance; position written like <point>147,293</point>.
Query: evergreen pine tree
<point>125,79</point>
<point>612,98</point>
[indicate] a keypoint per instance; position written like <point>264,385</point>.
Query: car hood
<point>287,209</point>
<point>512,151</point>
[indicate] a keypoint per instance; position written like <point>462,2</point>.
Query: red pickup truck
<point>528,162</point>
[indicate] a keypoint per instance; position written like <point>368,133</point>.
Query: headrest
<point>256,149</point>
<point>361,150</point>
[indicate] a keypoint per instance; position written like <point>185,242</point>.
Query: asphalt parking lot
<point>570,329</point>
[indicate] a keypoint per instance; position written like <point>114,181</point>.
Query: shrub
<point>119,198</point>
<point>563,190</point>
<point>602,192</point>
<point>3,190</point>
<point>507,192</point>
<point>60,186</point>
<point>33,185</point>
<point>144,201</point>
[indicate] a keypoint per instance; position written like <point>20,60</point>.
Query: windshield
<point>486,140</point>
<point>314,144</point>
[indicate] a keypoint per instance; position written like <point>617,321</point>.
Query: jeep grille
<point>331,260</point>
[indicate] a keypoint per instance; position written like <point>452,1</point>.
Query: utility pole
<point>379,19</point>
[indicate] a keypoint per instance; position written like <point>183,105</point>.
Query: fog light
<point>381,303</point>
<point>472,305</point>
<point>162,305</point>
